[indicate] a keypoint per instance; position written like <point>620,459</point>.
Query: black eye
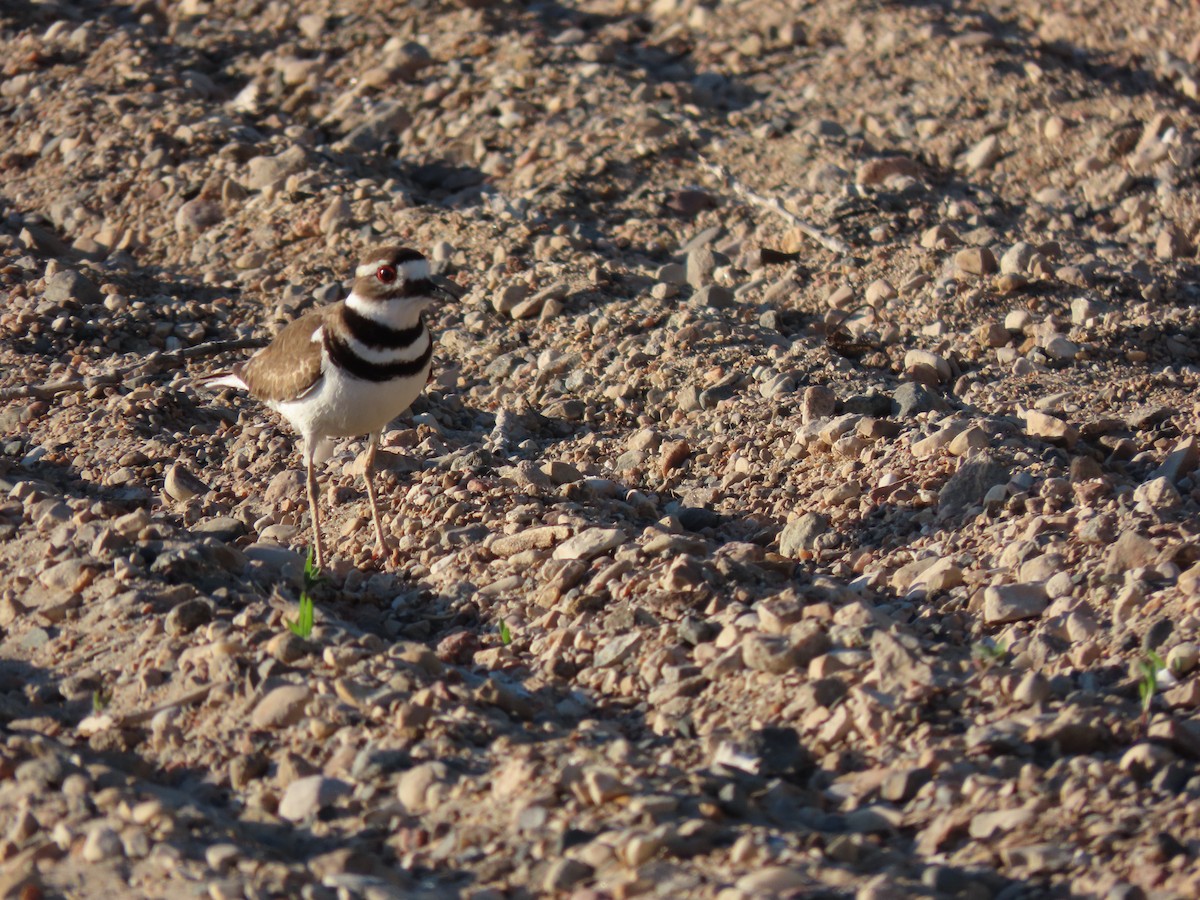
<point>386,274</point>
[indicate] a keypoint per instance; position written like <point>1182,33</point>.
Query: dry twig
<point>155,362</point>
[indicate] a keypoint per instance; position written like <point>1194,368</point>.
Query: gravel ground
<point>729,562</point>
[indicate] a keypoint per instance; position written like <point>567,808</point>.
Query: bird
<point>349,368</point>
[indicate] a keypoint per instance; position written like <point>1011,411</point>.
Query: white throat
<point>402,312</point>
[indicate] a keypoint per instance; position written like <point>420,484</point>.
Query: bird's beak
<point>446,289</point>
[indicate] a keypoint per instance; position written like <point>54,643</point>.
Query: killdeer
<point>349,368</point>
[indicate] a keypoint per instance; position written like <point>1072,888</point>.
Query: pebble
<point>71,285</point>
<point>976,261</point>
<point>305,797</point>
<point>590,543</point>
<point>281,707</point>
<point>1013,602</point>
<point>1050,428</point>
<point>799,535</point>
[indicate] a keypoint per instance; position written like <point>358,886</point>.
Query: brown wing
<point>290,365</point>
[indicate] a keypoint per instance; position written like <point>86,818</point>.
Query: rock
<point>380,125</point>
<point>897,662</point>
<point>338,215</point>
<point>768,653</point>
<point>266,171</point>
<point>800,534</point>
<point>71,285</point>
<point>926,367</point>
<point>197,215</point>
<point>713,296</point>
<point>877,171</point>
<point>1181,461</point>
<point>540,537</point>
<point>1157,495</point>
<point>305,797</point>
<point>182,485</point>
<point>616,650</point>
<point>970,484</point>
<point>187,616</point>
<point>911,399</point>
<point>939,237</point>
<point>773,881</point>
<point>102,843</point>
<point>564,874</point>
<point>1013,602</point>
<point>701,263</point>
<point>1129,551</point>
<point>1016,258</point>
<point>415,787</point>
<point>590,543</point>
<point>983,155</point>
<point>281,707</point>
<point>1050,428</point>
<point>817,403</point>
<point>902,785</point>
<point>72,575</point>
<point>976,261</point>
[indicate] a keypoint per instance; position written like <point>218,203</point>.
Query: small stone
<point>266,171</point>
<point>1013,602</point>
<point>338,215</point>
<point>182,485</point>
<point>1181,461</point>
<point>877,171</point>
<point>983,155</point>
<point>701,263</point>
<point>617,649</point>
<point>102,843</point>
<point>1129,551</point>
<point>1157,495</point>
<point>1050,428</point>
<point>590,543</point>
<point>305,797</point>
<point>939,237</point>
<point>817,403</point>
<point>912,399</point>
<point>1032,689</point>
<point>902,785</point>
<point>1182,658</point>
<point>799,535</point>
<point>415,787</point>
<point>976,261</point>
<point>768,653</point>
<point>969,486</point>
<point>1016,258</point>
<point>773,881</point>
<point>1143,760</point>
<point>187,616</point>
<point>281,707</point>
<point>713,296</point>
<point>1172,243</point>
<point>71,285</point>
<point>926,367</point>
<point>973,438</point>
<point>564,874</point>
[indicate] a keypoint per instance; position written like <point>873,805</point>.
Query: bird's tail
<point>222,380</point>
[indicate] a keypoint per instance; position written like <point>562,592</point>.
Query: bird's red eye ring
<point>386,274</point>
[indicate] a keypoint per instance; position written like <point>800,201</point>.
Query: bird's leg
<point>369,475</point>
<point>313,509</point>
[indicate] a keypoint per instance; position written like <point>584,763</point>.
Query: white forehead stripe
<point>409,270</point>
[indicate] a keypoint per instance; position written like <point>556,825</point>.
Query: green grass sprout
<point>302,625</point>
<point>505,633</point>
<point>1147,670</point>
